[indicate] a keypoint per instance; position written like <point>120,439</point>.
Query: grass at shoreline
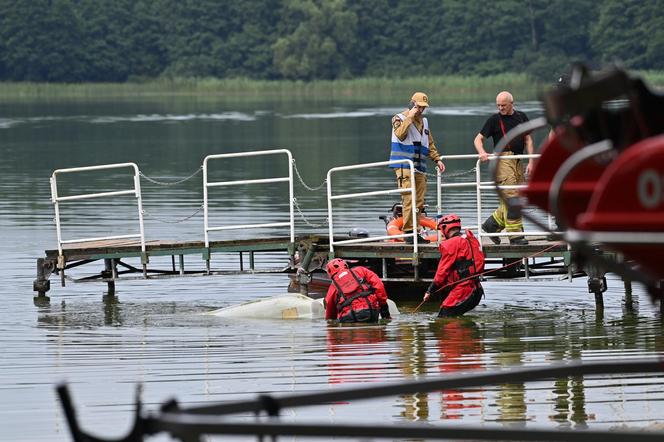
<point>442,89</point>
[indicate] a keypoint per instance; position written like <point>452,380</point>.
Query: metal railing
<point>190,423</point>
<point>480,186</point>
<point>207,185</point>
<point>56,199</point>
<point>331,198</point>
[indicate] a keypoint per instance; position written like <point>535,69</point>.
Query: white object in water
<point>289,306</point>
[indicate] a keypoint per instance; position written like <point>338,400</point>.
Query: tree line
<point>120,40</point>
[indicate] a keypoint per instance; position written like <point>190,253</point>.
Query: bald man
<point>510,172</point>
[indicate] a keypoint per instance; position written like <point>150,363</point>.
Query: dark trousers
<point>465,306</point>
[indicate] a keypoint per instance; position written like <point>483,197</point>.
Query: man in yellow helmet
<point>412,140</point>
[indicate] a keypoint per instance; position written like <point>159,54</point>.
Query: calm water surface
<point>154,332</point>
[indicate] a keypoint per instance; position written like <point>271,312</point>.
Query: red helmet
<point>449,222</point>
<point>335,266</point>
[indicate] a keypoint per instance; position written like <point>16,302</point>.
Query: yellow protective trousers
<point>403,182</point>
<point>509,173</point>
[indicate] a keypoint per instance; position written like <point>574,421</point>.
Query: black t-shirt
<point>493,130</point>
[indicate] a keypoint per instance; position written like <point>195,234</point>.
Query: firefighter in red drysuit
<point>355,295</point>
<point>460,258</point>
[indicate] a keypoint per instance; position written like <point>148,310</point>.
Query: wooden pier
<point>399,267</point>
<point>404,268</point>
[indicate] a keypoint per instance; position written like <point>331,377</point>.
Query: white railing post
<point>136,191</point>
<point>331,197</point>
<point>207,185</point>
<point>479,186</point>
<point>478,180</point>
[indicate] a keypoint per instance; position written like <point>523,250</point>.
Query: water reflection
<point>460,348</point>
<point>352,351</point>
<point>412,339</point>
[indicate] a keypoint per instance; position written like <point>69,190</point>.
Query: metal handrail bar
<point>207,185</point>
<point>372,239</point>
<point>482,185</point>
<point>178,424</point>
<point>100,238</point>
<point>207,419</point>
<point>257,181</point>
<point>249,226</point>
<point>435,383</point>
<point>505,187</point>
<point>56,199</point>
<point>95,195</point>
<point>372,193</point>
<point>331,197</point>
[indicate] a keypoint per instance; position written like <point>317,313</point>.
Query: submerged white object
<point>288,306</point>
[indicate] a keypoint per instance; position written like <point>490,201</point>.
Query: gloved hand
<point>427,295</point>
<point>385,312</point>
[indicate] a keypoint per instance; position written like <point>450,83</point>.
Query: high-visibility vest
<point>414,147</point>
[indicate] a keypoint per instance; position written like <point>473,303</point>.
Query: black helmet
<point>358,232</point>
<point>397,210</point>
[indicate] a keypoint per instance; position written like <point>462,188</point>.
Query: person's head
<point>449,225</point>
<point>505,103</point>
<point>420,100</point>
<point>397,210</point>
<point>335,266</point>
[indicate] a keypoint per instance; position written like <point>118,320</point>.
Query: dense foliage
<point>119,40</point>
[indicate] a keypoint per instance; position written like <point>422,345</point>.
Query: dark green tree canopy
<point>119,40</point>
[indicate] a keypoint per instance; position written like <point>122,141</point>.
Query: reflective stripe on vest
<point>414,147</point>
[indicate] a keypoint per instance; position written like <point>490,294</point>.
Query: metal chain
<point>304,218</point>
<point>170,183</point>
<point>450,175</point>
<point>146,213</point>
<point>299,177</point>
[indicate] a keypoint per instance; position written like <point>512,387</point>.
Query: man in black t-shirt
<point>510,172</point>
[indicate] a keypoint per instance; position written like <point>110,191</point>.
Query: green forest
<point>73,41</point>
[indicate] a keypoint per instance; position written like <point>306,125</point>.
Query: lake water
<point>154,333</point>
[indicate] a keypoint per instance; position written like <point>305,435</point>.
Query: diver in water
<point>460,259</point>
<point>355,295</point>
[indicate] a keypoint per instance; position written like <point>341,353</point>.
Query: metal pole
<point>291,197</point>
<point>329,211</point>
<point>413,207</point>
<point>478,177</point>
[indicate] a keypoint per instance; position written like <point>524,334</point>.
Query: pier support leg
<point>596,284</point>
<point>41,285</point>
<point>629,302</point>
<point>110,273</point>
<point>303,274</point>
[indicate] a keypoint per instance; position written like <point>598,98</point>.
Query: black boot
<point>518,240</point>
<point>491,226</point>
<point>420,239</point>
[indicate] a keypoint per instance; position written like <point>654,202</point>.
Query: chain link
<point>304,218</point>
<point>148,214</point>
<point>299,177</point>
<point>170,183</point>
<point>450,175</point>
